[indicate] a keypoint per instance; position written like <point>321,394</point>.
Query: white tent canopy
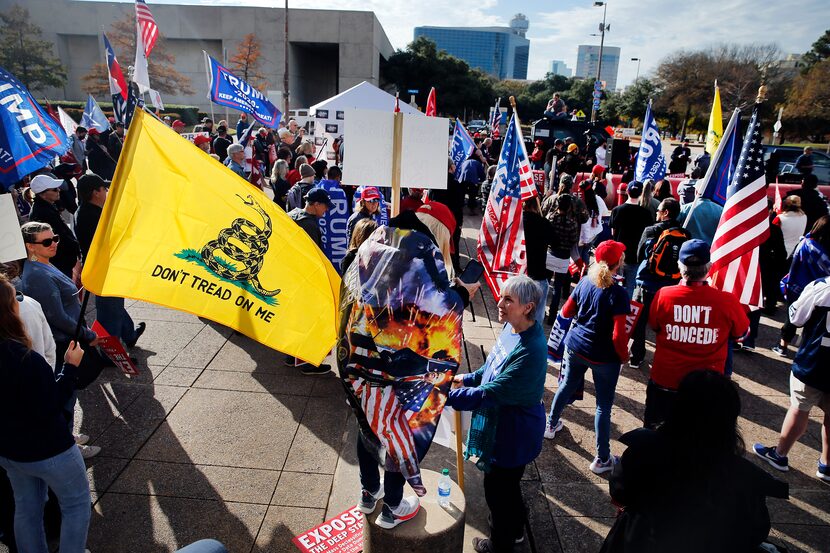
<point>329,119</point>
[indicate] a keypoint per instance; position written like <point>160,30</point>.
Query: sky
<point>646,29</point>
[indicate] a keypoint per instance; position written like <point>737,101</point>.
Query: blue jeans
<point>114,318</point>
<point>204,546</point>
<point>370,477</point>
<point>561,283</point>
<point>574,368</point>
<point>629,272</point>
<point>65,474</point>
<point>540,309</point>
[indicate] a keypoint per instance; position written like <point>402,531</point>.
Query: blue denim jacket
<point>58,296</point>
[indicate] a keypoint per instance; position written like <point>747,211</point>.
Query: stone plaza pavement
<point>217,438</point>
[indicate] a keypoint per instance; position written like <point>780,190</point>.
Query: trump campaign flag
<point>501,240</point>
<point>333,223</point>
<point>237,259</point>
<point>744,224</point>
<point>651,163</point>
<point>226,89</point>
<point>461,148</point>
<point>29,137</point>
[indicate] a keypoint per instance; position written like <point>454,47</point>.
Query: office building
<point>498,51</point>
<point>329,51</point>
<point>588,58</point>
<point>558,67</point>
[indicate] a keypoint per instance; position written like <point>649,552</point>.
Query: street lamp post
<point>602,28</point>
<point>638,60</point>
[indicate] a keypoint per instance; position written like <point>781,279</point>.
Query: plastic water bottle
<point>444,488</point>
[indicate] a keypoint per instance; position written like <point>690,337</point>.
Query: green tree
<point>161,63</point>
<point>820,51</point>
<point>459,88</point>
<point>26,56</point>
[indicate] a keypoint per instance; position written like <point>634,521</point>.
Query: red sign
<point>539,180</point>
<point>112,347</point>
<point>631,318</point>
<point>341,534</point>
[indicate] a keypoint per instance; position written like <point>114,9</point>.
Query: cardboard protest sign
<point>113,349</point>
<point>631,319</point>
<point>192,135</point>
<point>341,534</point>
<point>11,240</point>
<point>423,155</point>
<point>539,181</point>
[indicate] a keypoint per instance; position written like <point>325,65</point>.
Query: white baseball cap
<point>41,183</point>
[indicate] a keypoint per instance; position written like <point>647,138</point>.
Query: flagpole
<point>225,61</point>
<point>207,76</point>
<point>521,139</point>
<point>700,186</point>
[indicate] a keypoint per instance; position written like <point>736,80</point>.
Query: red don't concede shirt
<point>693,323</point>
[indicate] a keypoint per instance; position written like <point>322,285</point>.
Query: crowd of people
<point>653,248</point>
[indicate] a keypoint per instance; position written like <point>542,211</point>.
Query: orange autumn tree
<point>246,63</point>
<point>161,66</point>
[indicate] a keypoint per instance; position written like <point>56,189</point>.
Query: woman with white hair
<point>505,396</point>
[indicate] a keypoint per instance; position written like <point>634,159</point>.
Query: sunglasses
<point>46,242</point>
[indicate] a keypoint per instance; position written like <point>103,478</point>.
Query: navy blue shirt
<point>592,328</point>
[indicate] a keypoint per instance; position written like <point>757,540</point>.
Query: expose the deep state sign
<point>341,534</point>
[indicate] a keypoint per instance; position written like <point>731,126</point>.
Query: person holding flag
<point>501,238</point>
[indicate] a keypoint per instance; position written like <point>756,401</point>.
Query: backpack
<point>662,260</point>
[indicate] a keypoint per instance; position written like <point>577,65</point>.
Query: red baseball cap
<point>597,171</point>
<point>201,139</point>
<point>177,124</point>
<point>610,251</point>
<point>440,212</point>
<point>370,194</point>
<point>93,130</point>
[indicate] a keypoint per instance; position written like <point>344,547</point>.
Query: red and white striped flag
<point>146,25</point>
<point>501,240</point>
<point>744,224</point>
<point>432,110</point>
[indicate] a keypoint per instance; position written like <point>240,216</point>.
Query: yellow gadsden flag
<point>715,132</point>
<point>180,230</point>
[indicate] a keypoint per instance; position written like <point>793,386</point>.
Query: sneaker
<point>550,432</point>
<point>780,351</point>
<point>310,370</point>
<point>139,330</point>
<point>289,361</point>
<point>748,348</point>
<point>601,467</point>
<point>389,518</point>
<point>823,471</point>
<point>89,451</point>
<point>368,501</point>
<point>632,364</point>
<point>772,457</point>
<point>81,439</point>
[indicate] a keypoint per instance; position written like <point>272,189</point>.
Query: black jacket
<point>32,399</point>
<point>100,161</point>
<point>86,221</point>
<point>667,508</point>
<point>538,234</point>
<point>68,250</point>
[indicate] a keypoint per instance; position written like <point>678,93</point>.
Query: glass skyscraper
<point>502,52</point>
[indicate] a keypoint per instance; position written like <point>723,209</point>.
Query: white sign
<point>155,97</point>
<point>368,160</point>
<point>11,239</point>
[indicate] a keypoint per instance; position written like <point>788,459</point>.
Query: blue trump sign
<point>226,89</point>
<point>333,223</point>
<point>461,148</point>
<point>651,163</point>
<point>29,137</point>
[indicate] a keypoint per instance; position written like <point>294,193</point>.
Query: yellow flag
<point>715,132</point>
<point>181,230</point>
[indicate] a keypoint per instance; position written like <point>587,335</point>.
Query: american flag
<point>495,121</point>
<point>501,242</point>
<point>744,224</point>
<point>147,25</point>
